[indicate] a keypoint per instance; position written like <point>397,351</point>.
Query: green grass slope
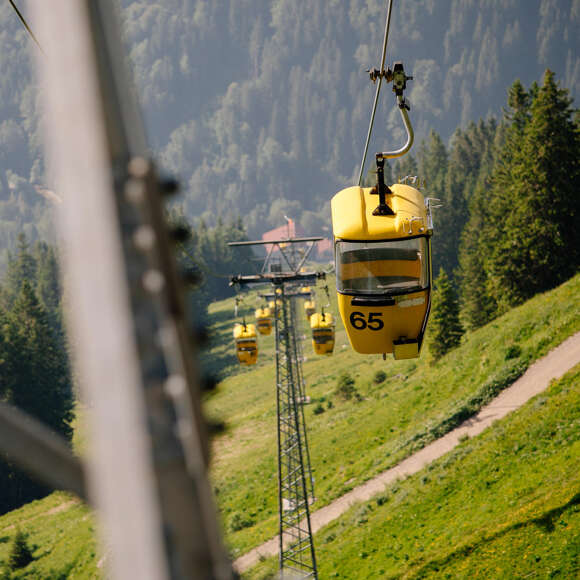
<point>350,442</point>
<point>60,532</point>
<point>355,440</point>
<point>503,505</point>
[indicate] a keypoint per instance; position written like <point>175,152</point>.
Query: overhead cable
<point>377,92</point>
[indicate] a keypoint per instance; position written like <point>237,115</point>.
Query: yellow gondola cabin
<point>309,308</point>
<point>322,326</point>
<point>383,268</point>
<point>264,320</point>
<point>246,343</point>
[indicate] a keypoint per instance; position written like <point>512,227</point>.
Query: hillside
<point>355,440</point>
<point>261,106</point>
<point>350,442</point>
<point>503,505</point>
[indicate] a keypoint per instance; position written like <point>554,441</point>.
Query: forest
<point>34,363</point>
<point>261,109</point>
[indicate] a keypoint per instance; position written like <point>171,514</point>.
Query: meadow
<point>400,407</point>
<point>505,504</point>
<point>354,440</point>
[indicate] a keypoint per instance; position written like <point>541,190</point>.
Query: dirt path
<point>536,379</point>
<point>65,505</point>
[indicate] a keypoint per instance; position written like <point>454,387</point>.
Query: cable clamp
<point>375,73</point>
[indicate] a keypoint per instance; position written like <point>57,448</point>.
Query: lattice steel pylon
<point>297,557</point>
<point>301,383</point>
<point>295,482</point>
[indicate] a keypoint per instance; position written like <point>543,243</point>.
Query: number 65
<point>358,321</point>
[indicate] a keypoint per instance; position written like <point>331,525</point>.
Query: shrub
<point>319,409</point>
<point>239,522</point>
<point>379,377</point>
<point>345,387</point>
<point>20,553</point>
<point>513,351</point>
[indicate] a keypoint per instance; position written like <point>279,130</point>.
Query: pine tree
<point>477,306</point>
<point>47,276</point>
<point>536,242</point>
<point>405,166</point>
<point>432,160</point>
<point>36,378</point>
<point>444,327</point>
<point>463,172</point>
<point>39,366</point>
<point>21,267</point>
<point>20,553</point>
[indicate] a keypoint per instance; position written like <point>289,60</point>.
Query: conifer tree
<point>477,306</point>
<point>444,326</point>
<point>21,267</point>
<point>20,553</point>
<point>432,161</point>
<point>35,377</point>
<point>41,382</point>
<point>47,276</point>
<point>535,204</point>
<point>405,166</point>
<point>463,172</point>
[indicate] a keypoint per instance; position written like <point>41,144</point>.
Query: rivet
<point>144,238</point>
<point>153,281</point>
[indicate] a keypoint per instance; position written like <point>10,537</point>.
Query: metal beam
<point>296,546</point>
<point>266,242</point>
<point>40,451</point>
<point>147,460</point>
<point>277,278</point>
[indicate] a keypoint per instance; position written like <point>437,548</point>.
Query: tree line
<point>508,227</point>
<point>261,106</point>
<point>34,365</point>
<point>35,372</point>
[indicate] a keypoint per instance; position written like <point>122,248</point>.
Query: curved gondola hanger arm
<point>399,79</point>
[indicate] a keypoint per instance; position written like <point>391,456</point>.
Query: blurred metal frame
<point>147,462</point>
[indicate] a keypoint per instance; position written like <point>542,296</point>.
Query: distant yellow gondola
<point>246,343</point>
<point>264,320</point>
<point>322,326</point>
<point>309,308</point>
<point>383,268</point>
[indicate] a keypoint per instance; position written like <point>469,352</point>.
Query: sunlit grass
<point>503,505</point>
<point>350,442</point>
<point>61,533</point>
<point>353,441</point>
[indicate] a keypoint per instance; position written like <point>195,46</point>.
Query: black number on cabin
<point>358,321</point>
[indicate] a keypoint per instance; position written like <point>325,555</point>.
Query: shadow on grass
<point>219,366</point>
<point>546,522</point>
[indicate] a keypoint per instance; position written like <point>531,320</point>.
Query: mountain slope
<point>261,106</point>
<point>350,442</point>
<point>355,440</point>
<point>503,505</point>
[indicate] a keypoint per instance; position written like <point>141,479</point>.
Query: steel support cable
<point>25,24</point>
<point>377,92</point>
